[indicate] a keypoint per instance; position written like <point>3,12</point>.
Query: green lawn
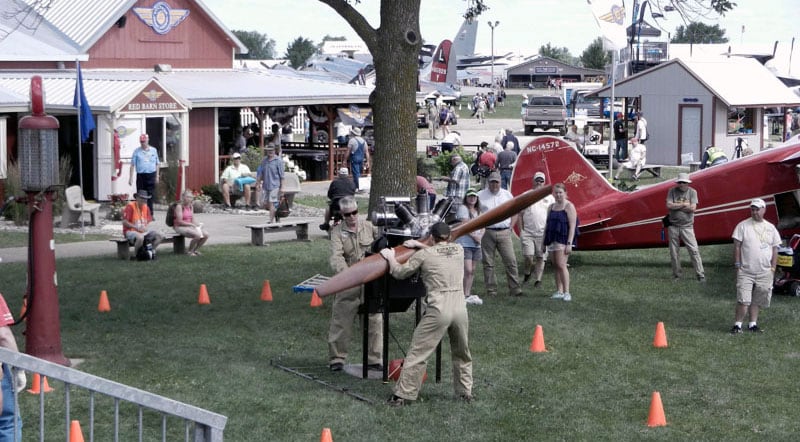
<point>594,383</point>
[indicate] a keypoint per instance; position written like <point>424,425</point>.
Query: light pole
<point>496,23</point>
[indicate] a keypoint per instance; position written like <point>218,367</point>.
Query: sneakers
<point>337,366</point>
<point>701,279</point>
<point>396,401</point>
<point>526,278</point>
<point>468,398</point>
<point>557,295</point>
<point>754,328</point>
<point>375,367</point>
<point>567,297</point>
<point>536,284</point>
<point>474,300</point>
<point>736,330</point>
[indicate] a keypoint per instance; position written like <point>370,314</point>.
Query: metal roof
<point>109,90</point>
<point>26,37</point>
<point>84,22</point>
<point>736,81</point>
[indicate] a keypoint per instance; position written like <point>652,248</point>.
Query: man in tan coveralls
<point>349,242</point>
<point>442,269</point>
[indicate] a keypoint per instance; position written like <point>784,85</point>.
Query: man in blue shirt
<point>144,162</point>
<point>269,181</point>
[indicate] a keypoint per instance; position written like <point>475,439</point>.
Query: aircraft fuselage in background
<point>611,219</point>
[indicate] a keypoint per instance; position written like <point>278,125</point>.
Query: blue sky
<point>525,25</point>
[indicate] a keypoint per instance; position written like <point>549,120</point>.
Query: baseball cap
<point>539,175</point>
<point>758,202</point>
<point>494,177</point>
<point>236,155</point>
<point>472,192</point>
<point>683,177</point>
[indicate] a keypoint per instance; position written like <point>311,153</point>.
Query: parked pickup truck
<point>544,113</point>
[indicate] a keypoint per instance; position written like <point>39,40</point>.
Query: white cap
<point>758,202</point>
<point>538,175</point>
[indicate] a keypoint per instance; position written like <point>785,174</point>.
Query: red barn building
<point>164,67</point>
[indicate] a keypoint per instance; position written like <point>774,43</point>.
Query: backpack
<point>147,252</point>
<point>171,214</point>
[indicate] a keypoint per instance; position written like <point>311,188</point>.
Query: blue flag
<point>85,111</point>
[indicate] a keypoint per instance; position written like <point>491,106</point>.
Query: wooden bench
<point>299,226</point>
<point>652,169</point>
<point>178,245</point>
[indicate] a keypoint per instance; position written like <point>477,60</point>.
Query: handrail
<point>214,423</point>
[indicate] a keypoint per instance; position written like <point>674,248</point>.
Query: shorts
<point>131,235</point>
<point>532,245</point>
<point>754,288</point>
<point>473,254</point>
<point>556,246</point>
<point>270,196</point>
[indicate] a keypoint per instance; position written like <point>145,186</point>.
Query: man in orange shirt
<point>135,218</point>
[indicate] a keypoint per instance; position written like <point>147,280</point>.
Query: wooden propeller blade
<point>374,266</point>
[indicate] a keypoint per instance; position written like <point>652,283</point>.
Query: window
<point>165,135</point>
<point>740,120</point>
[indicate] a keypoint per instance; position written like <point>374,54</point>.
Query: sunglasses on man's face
<point>353,213</point>
<point>539,181</point>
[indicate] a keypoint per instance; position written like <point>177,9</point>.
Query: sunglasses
<point>539,180</point>
<point>353,213</point>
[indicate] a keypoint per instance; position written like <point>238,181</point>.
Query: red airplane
<point>611,219</point>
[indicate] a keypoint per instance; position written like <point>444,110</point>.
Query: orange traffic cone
<point>75,433</point>
<point>656,417</point>
<point>537,345</point>
<point>266,292</point>
<point>202,298</point>
<point>316,301</point>
<point>660,341</point>
<point>326,435</point>
<point>103,305</point>
<point>35,385</point>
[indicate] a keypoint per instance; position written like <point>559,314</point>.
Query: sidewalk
<point>223,228</point>
<point>229,227</point>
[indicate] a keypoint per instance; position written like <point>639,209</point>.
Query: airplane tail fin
<point>561,163</point>
<point>464,43</point>
<point>442,60</point>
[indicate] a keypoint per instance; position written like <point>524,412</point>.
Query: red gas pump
<point>38,160</point>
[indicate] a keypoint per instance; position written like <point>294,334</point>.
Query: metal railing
<point>199,425</point>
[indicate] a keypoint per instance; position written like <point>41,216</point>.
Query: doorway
<point>690,133</point>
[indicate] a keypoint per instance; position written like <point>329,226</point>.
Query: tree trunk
<point>394,100</point>
<point>395,47</point>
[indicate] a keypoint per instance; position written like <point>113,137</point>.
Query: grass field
<point>20,239</point>
<point>594,383</point>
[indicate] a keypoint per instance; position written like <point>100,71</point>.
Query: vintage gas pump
<point>38,160</point>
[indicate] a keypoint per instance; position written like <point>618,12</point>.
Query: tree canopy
<point>260,46</point>
<point>561,54</point>
<point>594,56</point>
<point>697,32</point>
<point>300,50</point>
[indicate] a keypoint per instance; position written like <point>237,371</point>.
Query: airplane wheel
<point>322,136</point>
<point>794,289</point>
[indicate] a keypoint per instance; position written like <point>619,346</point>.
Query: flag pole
<point>80,142</point>
<point>612,116</point>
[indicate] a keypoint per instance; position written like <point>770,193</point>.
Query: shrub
<point>443,160</point>
<point>212,190</point>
